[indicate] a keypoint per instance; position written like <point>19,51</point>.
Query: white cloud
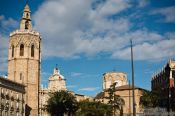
<point>167,12</point>
<point>89,89</point>
<point>111,7</point>
<point>1,17</point>
<point>71,28</point>
<point>4,52</point>
<point>147,51</point>
<point>7,23</point>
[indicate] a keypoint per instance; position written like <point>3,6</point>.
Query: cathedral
<point>20,92</point>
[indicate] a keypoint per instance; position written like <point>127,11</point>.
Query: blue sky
<point>87,38</point>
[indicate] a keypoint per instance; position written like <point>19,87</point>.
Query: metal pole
<point>129,99</point>
<point>114,84</point>
<point>133,93</point>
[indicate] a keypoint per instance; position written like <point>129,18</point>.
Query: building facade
<point>163,82</point>
<point>122,89</point>
<point>125,92</point>
<point>57,82</point>
<point>11,98</point>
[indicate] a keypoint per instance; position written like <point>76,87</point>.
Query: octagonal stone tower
<point>24,61</point>
<point>110,78</point>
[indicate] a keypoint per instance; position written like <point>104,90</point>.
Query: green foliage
<point>149,99</point>
<point>115,100</point>
<point>93,108</point>
<point>61,102</point>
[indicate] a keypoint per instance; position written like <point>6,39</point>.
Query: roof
<point>114,72</point>
<point>119,88</point>
<point>99,95</point>
<point>6,83</point>
<point>126,87</point>
<point>10,81</point>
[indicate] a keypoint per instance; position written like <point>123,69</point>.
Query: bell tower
<point>24,57</point>
<point>26,19</point>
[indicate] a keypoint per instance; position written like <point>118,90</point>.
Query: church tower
<point>56,81</point>
<point>24,61</point>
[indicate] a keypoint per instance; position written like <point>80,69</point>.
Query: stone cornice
<point>24,32</point>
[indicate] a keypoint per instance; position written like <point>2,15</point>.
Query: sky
<point>87,38</point>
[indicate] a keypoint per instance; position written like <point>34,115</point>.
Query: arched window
<point>13,50</point>
<point>32,51</point>
<point>22,50</point>
<point>27,25</point>
<point>27,15</point>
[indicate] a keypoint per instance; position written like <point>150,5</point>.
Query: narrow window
<point>12,50</point>
<point>20,76</point>
<point>22,50</point>
<point>26,25</point>
<point>32,51</point>
<point>27,15</point>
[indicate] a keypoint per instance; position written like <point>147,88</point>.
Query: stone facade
<point>125,92</point>
<point>11,98</point>
<point>163,82</point>
<point>24,61</point>
<point>110,78</point>
<point>122,89</point>
<point>56,83</point>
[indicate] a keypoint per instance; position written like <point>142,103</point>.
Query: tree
<point>93,108</point>
<point>115,100</point>
<point>61,102</point>
<point>149,99</point>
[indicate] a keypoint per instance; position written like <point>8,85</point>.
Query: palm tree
<point>60,103</point>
